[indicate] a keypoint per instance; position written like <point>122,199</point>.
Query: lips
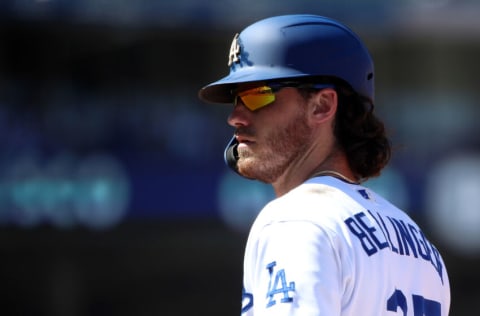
<point>243,139</point>
<point>244,136</point>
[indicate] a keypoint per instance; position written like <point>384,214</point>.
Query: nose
<point>240,115</point>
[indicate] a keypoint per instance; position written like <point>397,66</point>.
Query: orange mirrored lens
<point>257,97</point>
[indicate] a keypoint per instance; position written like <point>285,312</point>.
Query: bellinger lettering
<point>376,233</point>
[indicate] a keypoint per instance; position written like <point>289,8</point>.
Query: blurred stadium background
<point>114,199</point>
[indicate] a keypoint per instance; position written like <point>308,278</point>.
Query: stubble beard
<point>281,147</point>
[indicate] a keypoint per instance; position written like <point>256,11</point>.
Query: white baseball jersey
<point>333,248</point>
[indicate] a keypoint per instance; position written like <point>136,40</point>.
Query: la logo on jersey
<point>278,291</point>
<point>278,288</point>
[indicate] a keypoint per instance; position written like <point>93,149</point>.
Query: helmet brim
<point>220,91</point>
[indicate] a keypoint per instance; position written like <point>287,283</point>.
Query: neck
<point>335,174</point>
<point>335,165</point>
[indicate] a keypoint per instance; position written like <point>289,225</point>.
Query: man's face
<point>271,138</point>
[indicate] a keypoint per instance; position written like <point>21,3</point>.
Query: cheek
<point>290,137</point>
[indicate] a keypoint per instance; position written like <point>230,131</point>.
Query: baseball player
<point>302,89</point>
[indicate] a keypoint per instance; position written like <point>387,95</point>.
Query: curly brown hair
<point>360,134</point>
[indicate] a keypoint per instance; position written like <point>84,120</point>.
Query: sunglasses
<point>258,96</point>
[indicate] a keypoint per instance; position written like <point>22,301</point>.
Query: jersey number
<point>421,305</point>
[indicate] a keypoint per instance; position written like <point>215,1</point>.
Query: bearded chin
<point>282,147</point>
<point>259,168</point>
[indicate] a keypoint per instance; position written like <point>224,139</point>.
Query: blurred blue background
<point>114,198</point>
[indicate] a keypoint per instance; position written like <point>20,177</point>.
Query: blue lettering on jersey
<point>384,229</point>
<point>365,241</point>
<point>404,237</point>
<point>371,240</point>
<point>279,286</point>
<point>401,238</point>
<point>247,301</point>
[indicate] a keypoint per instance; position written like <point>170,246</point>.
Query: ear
<point>323,105</point>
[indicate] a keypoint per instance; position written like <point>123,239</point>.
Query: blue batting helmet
<point>295,46</point>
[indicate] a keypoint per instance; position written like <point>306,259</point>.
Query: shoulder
<point>311,208</point>
<point>309,202</point>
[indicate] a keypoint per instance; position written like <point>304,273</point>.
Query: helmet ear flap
<point>231,154</point>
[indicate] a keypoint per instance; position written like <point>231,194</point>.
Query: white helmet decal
<point>233,56</point>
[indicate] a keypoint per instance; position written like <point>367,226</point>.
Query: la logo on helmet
<point>233,56</point>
